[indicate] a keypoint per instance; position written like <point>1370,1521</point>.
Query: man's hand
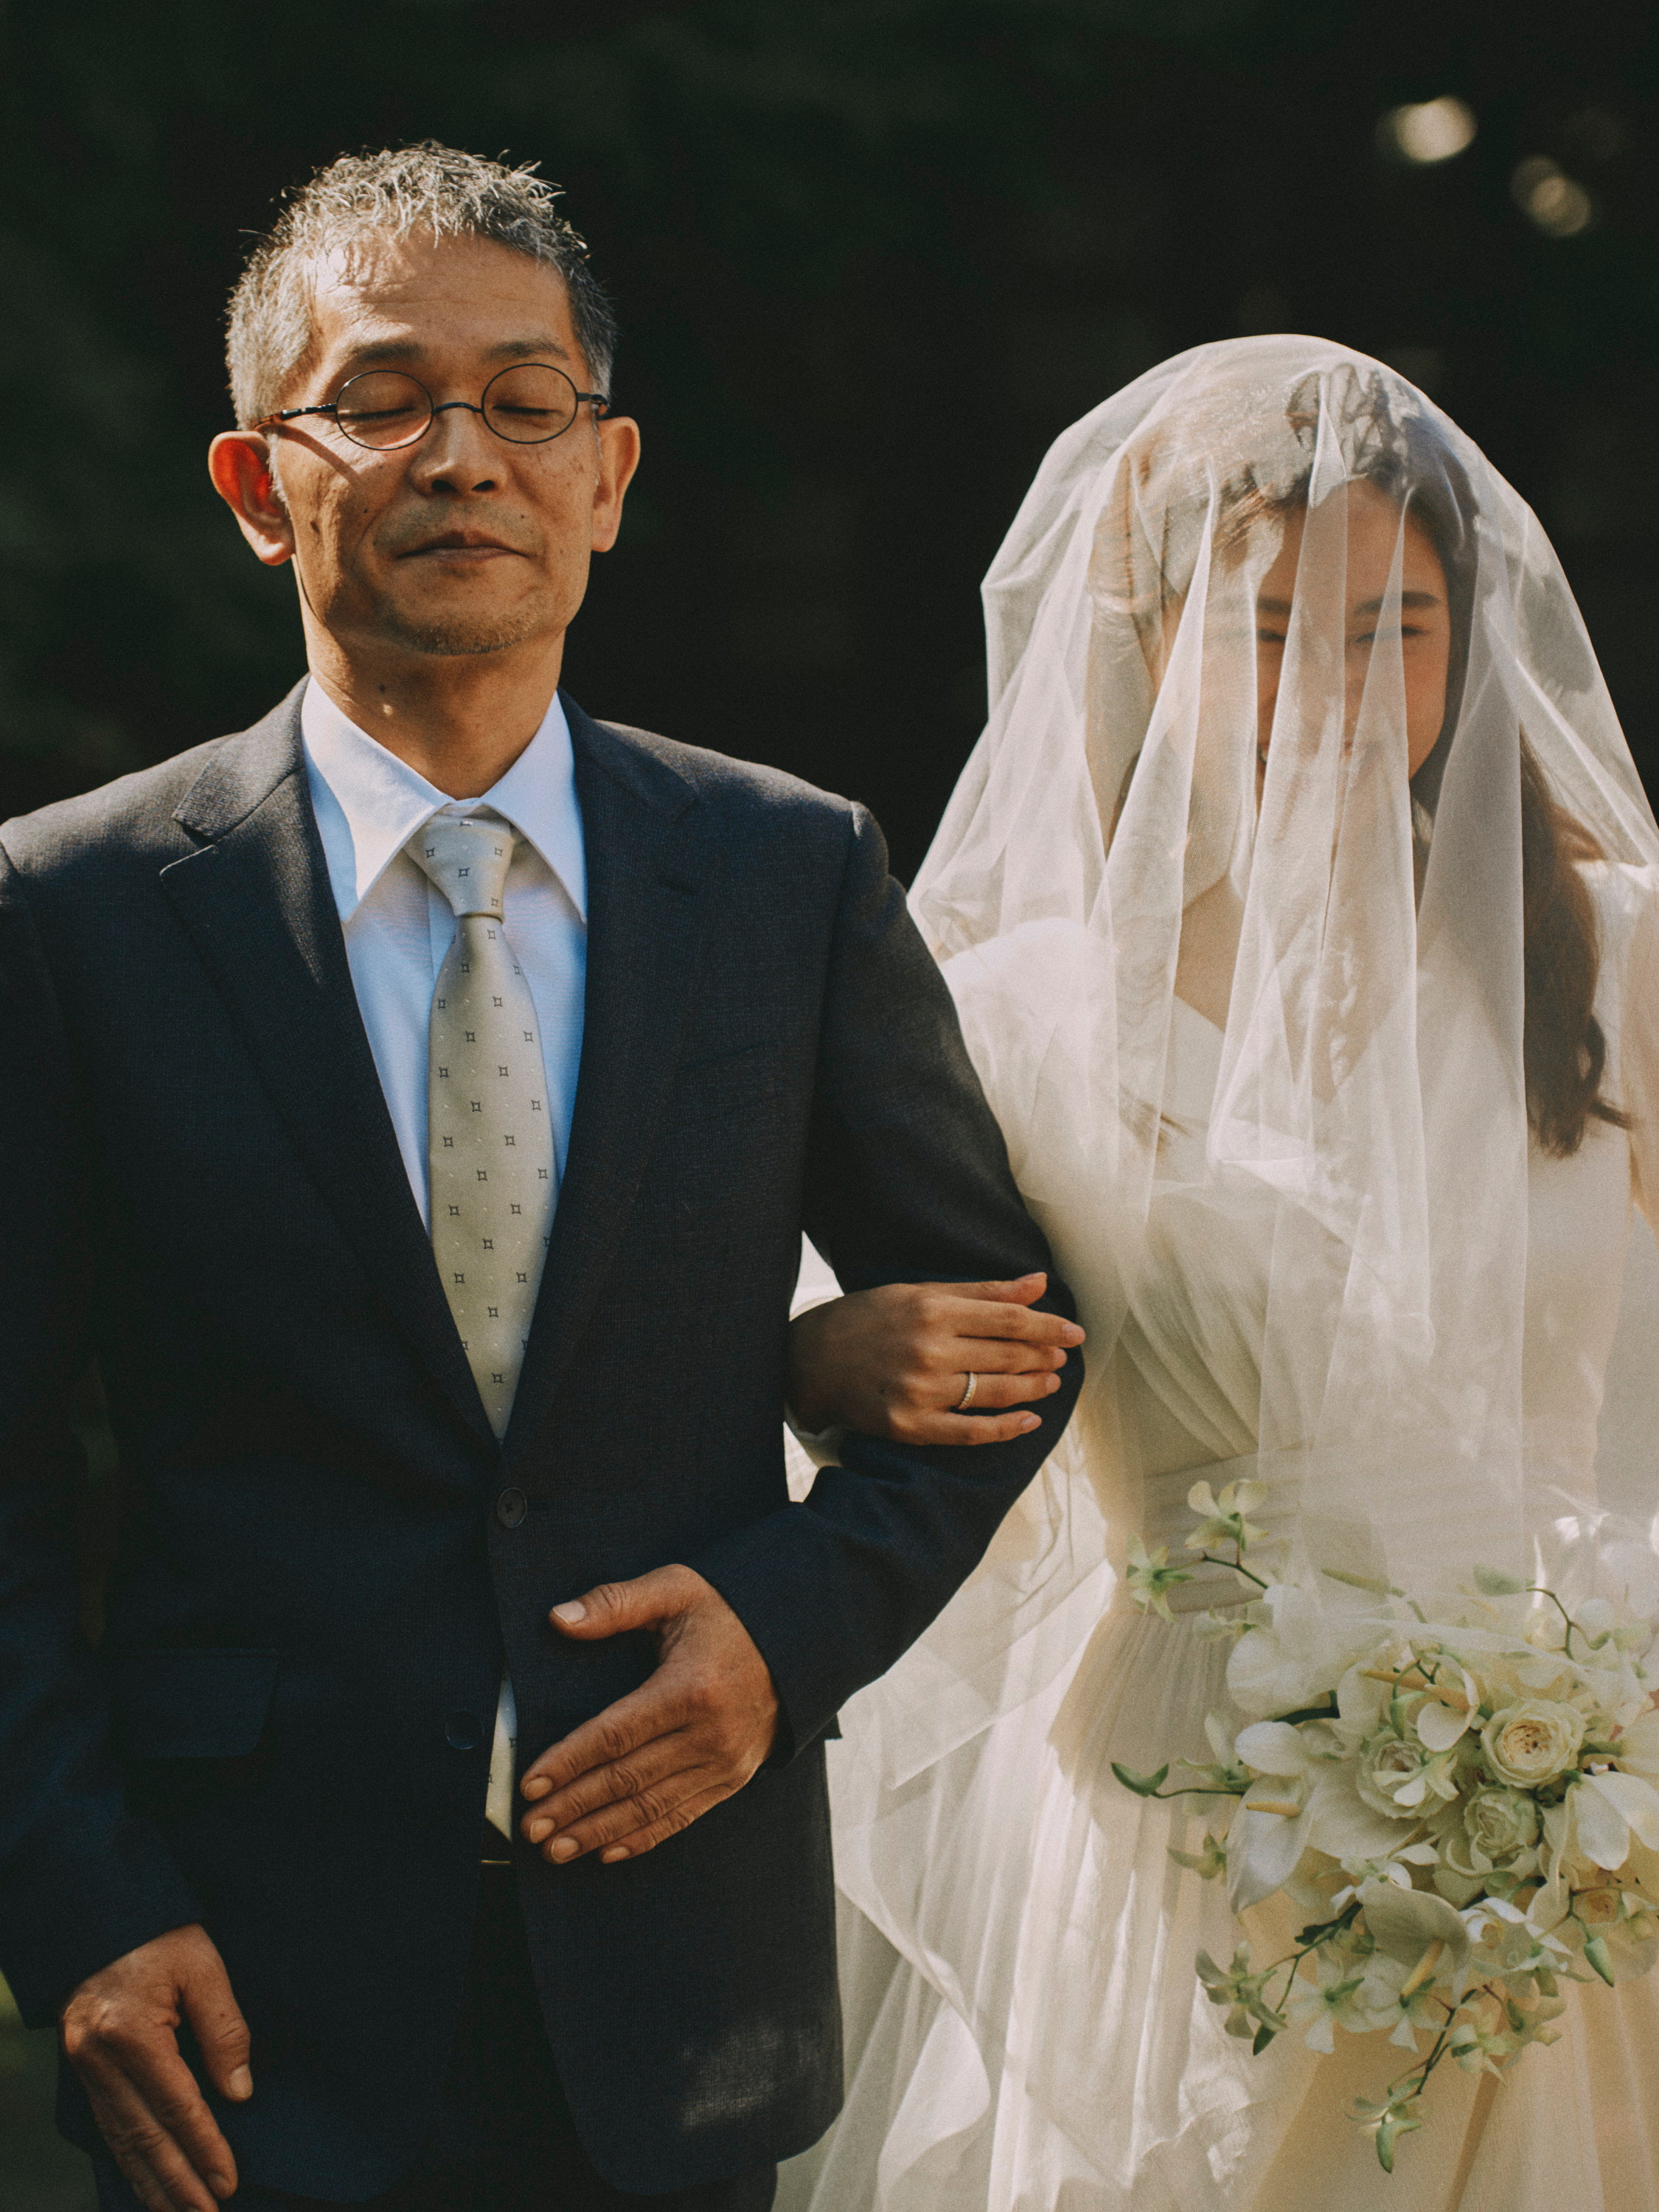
<point>654,1762</point>
<point>895,1361</point>
<point>120,2034</point>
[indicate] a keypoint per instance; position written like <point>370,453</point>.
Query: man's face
<point>463,543</point>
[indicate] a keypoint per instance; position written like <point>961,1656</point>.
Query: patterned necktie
<point>493,1178</point>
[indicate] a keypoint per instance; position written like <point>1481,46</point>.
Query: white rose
<point>1499,1823</point>
<point>1388,1766</point>
<point>1529,1744</point>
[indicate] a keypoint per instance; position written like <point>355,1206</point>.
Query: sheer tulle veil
<point>1370,1115</point>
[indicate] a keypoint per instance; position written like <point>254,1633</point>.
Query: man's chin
<point>455,636</point>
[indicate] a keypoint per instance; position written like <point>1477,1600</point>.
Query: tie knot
<point>467,856</point>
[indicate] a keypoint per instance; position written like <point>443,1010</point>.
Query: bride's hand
<point>895,1361</point>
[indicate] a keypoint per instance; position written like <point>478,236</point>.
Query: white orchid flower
<point>1637,1746</point>
<point>1294,1657</point>
<point>1609,1808</point>
<point>1419,1929</point>
<point>1357,1996</point>
<point>1222,1520</point>
<point>1452,1703</point>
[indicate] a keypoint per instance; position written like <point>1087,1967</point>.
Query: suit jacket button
<point>511,1508</point>
<point>462,1732</point>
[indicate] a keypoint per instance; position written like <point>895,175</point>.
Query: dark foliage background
<point>871,256</point>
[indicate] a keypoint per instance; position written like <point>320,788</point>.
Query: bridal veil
<point>1299,904</point>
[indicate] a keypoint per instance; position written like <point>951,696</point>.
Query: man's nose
<point>459,453</point>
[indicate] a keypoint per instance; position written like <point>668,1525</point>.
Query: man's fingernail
<point>564,1848</point>
<point>539,1830</point>
<point>1052,1384</point>
<point>1071,1334</point>
<point>241,2082</point>
<point>1028,1422</point>
<point>616,1852</point>
<point>573,1612</point>
<point>535,1785</point>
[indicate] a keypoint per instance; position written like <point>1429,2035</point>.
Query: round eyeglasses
<point>384,409</point>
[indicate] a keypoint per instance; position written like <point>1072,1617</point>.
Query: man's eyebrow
<point>378,351</point>
<point>1272,606</point>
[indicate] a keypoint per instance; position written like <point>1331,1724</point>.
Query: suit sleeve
<point>906,1180</point>
<point>80,1881</point>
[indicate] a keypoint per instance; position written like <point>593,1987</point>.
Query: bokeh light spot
<point>1427,131</point>
<point>1559,206</point>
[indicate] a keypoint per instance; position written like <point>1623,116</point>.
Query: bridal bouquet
<point>1461,1794</point>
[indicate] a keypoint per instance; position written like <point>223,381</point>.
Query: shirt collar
<point>369,803</point>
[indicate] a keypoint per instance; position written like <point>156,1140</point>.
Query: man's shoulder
<point>132,819</point>
<point>750,797</point>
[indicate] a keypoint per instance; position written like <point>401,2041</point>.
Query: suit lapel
<point>648,871</point>
<point>255,900</point>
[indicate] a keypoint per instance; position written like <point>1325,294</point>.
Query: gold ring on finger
<point>967,1397</point>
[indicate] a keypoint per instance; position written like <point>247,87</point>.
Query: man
<point>417,1101</point>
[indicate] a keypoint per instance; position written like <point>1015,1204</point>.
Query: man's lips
<point>459,545</point>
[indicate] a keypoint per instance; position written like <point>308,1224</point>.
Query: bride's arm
<point>895,1361</point>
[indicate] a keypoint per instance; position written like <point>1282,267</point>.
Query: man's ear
<point>619,456</point>
<point>239,463</point>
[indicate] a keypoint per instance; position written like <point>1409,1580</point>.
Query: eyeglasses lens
<point>529,403</point>
<point>382,409</point>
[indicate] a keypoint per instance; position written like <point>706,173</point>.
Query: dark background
<point>870,257</point>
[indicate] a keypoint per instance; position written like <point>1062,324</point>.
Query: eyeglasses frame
<point>601,399</point>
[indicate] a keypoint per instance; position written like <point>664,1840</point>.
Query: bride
<point>1299,905</point>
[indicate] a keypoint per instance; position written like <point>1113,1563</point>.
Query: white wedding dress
<point>1026,2030</point>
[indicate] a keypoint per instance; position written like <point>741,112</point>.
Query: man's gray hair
<point>426,189</point>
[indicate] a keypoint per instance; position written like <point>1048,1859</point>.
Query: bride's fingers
<point>1005,1309</point>
<point>991,1392</point>
<point>985,1355</point>
<point>937,1428</point>
<point>944,1314</point>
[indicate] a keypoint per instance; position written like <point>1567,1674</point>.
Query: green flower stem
<point>1236,1565</point>
<point>1537,1589</point>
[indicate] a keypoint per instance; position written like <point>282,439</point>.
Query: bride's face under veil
<point>1414,619</point>
<point>1268,900</point>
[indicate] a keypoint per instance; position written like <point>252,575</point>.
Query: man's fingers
<point>221,2033</point>
<point>617,1733</point>
<point>659,1832</point>
<point>611,1608</point>
<point>663,1812</point>
<point>167,2089</point>
<point>148,2153</point>
<point>647,1768</point>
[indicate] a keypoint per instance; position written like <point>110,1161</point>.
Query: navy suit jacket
<point>285,1731</point>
